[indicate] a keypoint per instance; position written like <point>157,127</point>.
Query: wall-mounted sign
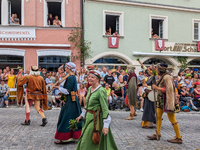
<point>160,45</point>
<point>180,47</point>
<point>17,33</point>
<point>113,42</point>
<point>198,46</point>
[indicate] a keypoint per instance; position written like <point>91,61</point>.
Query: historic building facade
<point>154,31</point>
<point>30,39</point>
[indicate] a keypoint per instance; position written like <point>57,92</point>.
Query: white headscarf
<point>71,66</point>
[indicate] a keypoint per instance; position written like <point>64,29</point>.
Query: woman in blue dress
<point>71,108</point>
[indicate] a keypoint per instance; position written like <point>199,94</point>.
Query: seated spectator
<point>50,19</point>
<point>118,95</point>
<point>195,79</point>
<point>108,91</point>
<point>48,79</point>
<point>44,74</point>
<point>197,92</point>
<point>116,34</point>
<point>4,94</point>
<point>13,20</point>
<point>141,91</point>
<point>57,22</point>
<point>81,94</point>
<point>187,71</point>
<point>141,78</point>
<point>189,83</point>
<point>109,31</point>
<point>186,97</point>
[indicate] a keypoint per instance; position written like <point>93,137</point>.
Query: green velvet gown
<point>98,99</point>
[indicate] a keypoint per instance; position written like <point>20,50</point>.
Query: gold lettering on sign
<point>182,47</point>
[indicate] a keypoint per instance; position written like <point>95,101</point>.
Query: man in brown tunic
<point>36,92</point>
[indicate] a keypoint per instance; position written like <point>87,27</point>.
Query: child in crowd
<point>175,79</point>
<point>189,83</point>
<point>81,94</point>
<point>108,91</point>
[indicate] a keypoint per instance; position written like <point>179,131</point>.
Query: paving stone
<point>128,134</point>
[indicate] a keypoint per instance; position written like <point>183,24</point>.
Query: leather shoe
<point>176,140</point>
<point>153,137</point>
<point>26,123</point>
<point>44,122</point>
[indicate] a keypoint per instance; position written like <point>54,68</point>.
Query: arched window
<point>194,63</point>
<point>110,62</point>
<point>155,61</point>
<point>52,63</point>
<point>11,61</point>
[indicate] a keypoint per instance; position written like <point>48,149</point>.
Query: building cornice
<point>35,44</point>
<point>166,54</point>
<point>151,5</point>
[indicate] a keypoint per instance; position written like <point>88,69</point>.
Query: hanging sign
<point>160,45</point>
<point>113,42</point>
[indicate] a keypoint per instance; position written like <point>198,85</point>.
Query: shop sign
<point>17,33</point>
<point>180,47</point>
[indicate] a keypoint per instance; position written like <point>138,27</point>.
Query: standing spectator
<point>118,71</point>
<point>189,84</point>
<point>121,82</point>
<point>140,78</point>
<point>48,79</point>
<point>44,74</point>
<point>104,72</point>
<point>141,91</point>
<point>53,77</point>
<point>4,90</point>
<point>19,75</point>
<point>1,72</point>
<point>195,71</point>
<point>118,95</point>
<point>81,94</point>
<point>81,76</point>
<point>59,73</point>
<point>50,19</point>
<point>27,72</point>
<point>6,75</point>
<point>175,79</point>
<point>12,82</point>
<point>109,78</point>
<point>114,75</point>
<point>109,98</point>
<point>180,78</point>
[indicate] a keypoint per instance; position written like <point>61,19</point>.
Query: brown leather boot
<point>135,114</point>
<point>176,140</point>
<point>153,137</point>
<point>131,117</point>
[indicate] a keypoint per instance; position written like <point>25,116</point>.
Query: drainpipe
<point>82,24</point>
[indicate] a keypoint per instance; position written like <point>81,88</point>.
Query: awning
<point>165,54</point>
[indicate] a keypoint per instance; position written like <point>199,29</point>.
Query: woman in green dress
<point>96,117</point>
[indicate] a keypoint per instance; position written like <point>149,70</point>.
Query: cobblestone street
<point>128,134</point>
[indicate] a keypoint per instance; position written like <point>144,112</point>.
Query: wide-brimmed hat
<point>131,67</point>
<point>113,70</point>
<point>34,68</point>
<point>182,85</point>
<point>187,69</point>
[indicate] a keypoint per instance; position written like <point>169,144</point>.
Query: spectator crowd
<point>186,82</point>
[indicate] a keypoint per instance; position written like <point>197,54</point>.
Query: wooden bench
<point>13,90</point>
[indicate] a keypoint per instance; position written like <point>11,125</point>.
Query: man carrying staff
<point>36,92</point>
<point>166,102</point>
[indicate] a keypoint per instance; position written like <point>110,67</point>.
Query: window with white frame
<point>113,22</point>
<point>196,32</point>
<point>158,27</point>
<point>14,12</point>
<point>54,13</point>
